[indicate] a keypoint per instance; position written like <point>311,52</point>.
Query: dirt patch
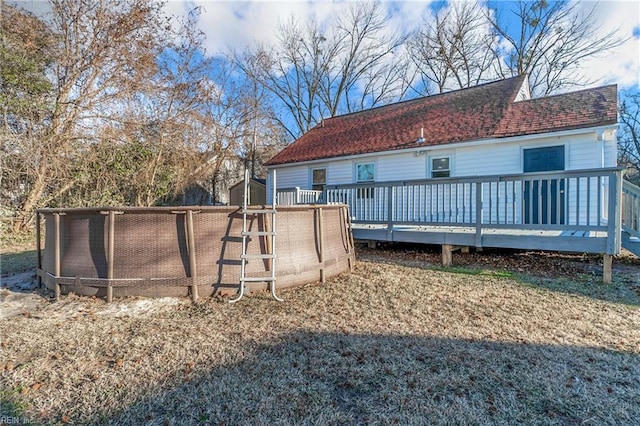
<point>397,341</point>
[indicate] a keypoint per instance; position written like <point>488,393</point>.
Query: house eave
<point>477,142</point>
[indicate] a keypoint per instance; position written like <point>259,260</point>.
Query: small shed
<point>257,192</point>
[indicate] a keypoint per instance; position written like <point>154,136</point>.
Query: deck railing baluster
<point>545,201</point>
<point>578,205</point>
<point>588,201</point>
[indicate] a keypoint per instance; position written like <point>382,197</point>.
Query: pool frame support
<point>111,254</point>
<point>56,218</point>
<point>191,245</point>
<point>321,244</point>
<point>39,248</point>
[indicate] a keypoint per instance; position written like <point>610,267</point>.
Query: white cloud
<point>622,65</point>
<point>235,24</point>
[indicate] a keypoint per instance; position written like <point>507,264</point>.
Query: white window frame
<point>364,163</point>
<point>312,183</point>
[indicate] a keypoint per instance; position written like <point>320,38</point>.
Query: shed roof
<point>481,112</point>
<point>259,181</point>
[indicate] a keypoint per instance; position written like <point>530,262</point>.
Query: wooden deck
<point>568,241</point>
<point>571,211</point>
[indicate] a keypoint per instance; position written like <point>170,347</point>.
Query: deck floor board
<point>535,239</point>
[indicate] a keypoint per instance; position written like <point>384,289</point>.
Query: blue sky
<point>234,24</point>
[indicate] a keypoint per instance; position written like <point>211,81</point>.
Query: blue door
<point>544,199</point>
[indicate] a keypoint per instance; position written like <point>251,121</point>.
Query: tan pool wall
<point>152,255</point>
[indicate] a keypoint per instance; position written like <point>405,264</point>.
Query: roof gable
<point>491,110</point>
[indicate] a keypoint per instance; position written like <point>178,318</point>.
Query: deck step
<point>259,211</point>
<point>258,256</point>
<point>257,279</point>
<point>258,233</point>
<point>631,243</point>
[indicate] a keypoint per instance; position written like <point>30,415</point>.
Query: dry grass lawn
<point>394,342</point>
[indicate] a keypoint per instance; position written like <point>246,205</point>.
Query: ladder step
<point>258,256</point>
<point>257,279</point>
<point>258,233</point>
<point>230,239</point>
<point>259,211</point>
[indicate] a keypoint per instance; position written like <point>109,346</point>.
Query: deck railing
<point>631,208</point>
<point>294,196</point>
<point>580,200</point>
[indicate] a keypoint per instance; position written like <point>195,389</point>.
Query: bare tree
<point>25,97</point>
<point>453,49</point>
<point>315,72</point>
<point>366,72</point>
<point>629,136</point>
<point>133,114</point>
<point>102,52</point>
<point>551,43</point>
<point>292,73</point>
<point>178,128</point>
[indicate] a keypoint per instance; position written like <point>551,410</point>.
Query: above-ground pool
<point>164,251</point>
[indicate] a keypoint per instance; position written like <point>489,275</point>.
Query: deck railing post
<point>614,214</point>
<point>390,215</point>
<point>614,225</point>
<point>479,214</point>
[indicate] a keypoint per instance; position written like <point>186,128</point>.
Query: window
<point>440,167</point>
<point>365,172</point>
<point>544,159</point>
<point>318,179</point>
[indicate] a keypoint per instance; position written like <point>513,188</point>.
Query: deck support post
<point>447,255</point>
<point>607,268</point>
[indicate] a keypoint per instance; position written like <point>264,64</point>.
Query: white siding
<point>290,177</point>
<point>486,160</point>
<point>610,147</point>
<point>400,166</point>
<point>582,151</point>
<point>287,177</point>
<point>339,172</point>
<point>583,154</point>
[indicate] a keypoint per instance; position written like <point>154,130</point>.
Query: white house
<point>488,156</point>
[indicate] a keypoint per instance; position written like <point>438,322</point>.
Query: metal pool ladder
<point>268,233</point>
